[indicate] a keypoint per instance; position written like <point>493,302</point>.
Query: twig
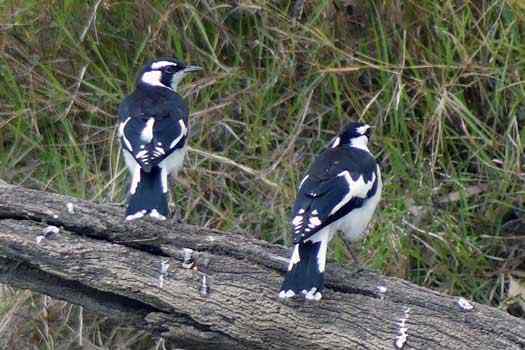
<point>211,109</point>
<point>228,161</point>
<point>75,92</point>
<point>467,192</point>
<point>84,67</point>
<point>298,129</point>
<point>90,21</point>
<point>80,325</point>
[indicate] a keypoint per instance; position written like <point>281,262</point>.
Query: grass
<point>442,81</point>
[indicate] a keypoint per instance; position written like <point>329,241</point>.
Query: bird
<point>153,132</point>
<point>340,192</point>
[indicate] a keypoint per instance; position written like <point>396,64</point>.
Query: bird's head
<point>165,72</point>
<point>354,134</point>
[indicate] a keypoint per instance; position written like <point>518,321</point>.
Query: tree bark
<point>116,268</point>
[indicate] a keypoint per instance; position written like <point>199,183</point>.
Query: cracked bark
<point>112,267</point>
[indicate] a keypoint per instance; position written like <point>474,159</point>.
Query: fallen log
<point>85,253</point>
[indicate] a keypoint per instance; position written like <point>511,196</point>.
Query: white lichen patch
<point>49,230</point>
<point>204,290</point>
<point>164,266</point>
<point>403,330</point>
<point>464,304</point>
<point>188,258</point>
<point>382,289</point>
<point>70,208</point>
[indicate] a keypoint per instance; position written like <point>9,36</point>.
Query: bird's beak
<point>192,68</point>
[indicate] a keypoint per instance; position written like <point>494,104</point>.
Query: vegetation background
<point>442,81</point>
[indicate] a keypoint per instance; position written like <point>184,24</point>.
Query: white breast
<point>173,163</point>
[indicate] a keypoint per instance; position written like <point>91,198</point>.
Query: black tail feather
<point>304,277</point>
<point>148,198</point>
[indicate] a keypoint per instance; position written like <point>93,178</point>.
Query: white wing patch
<point>159,151</point>
<point>358,188</point>
<point>142,154</point>
<point>298,220</point>
<point>314,222</point>
<point>303,180</point>
<point>147,133</point>
<point>183,131</point>
<point>336,142</point>
<point>123,135</point>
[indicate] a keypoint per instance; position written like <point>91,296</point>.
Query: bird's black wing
<point>338,181</point>
<point>151,128</point>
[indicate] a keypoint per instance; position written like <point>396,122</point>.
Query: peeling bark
<point>116,268</point>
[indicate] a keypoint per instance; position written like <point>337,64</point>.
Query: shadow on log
<point>133,271</point>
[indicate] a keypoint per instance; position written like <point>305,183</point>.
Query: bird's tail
<point>148,195</point>
<point>306,271</point>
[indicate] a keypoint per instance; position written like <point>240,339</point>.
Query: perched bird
<point>339,193</point>
<point>153,128</point>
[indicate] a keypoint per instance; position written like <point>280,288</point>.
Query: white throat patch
<point>177,77</point>
<point>360,142</point>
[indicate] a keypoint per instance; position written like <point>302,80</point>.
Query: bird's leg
<point>175,214</point>
<point>350,254</point>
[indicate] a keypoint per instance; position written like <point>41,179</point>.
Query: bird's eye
<point>169,69</point>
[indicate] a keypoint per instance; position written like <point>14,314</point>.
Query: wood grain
<point>112,267</point>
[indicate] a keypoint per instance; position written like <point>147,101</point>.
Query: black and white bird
<point>153,128</point>
<point>339,193</point>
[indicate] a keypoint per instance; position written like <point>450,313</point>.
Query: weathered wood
<point>112,267</point>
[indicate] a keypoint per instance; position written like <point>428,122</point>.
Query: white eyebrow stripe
<point>160,64</point>
<point>363,129</point>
